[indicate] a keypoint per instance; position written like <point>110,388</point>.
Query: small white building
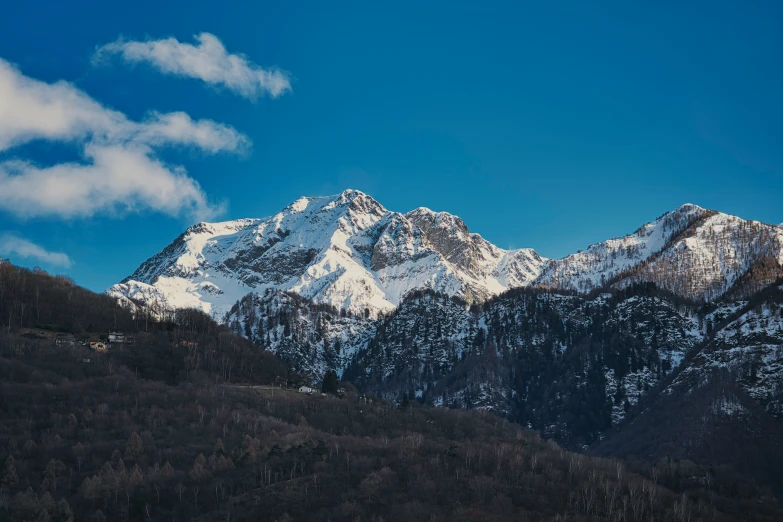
<point>116,337</point>
<point>306,389</point>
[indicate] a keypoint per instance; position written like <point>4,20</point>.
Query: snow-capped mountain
<point>345,251</point>
<point>416,304</point>
<point>602,262</point>
<point>695,253</point>
<point>349,252</point>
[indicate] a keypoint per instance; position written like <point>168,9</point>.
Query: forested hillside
<point>567,365</point>
<point>159,430</point>
<point>576,368</point>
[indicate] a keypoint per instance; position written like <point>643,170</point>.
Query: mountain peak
<point>351,194</point>
<point>354,205</point>
<point>345,250</point>
<point>422,211</point>
<point>427,220</point>
<point>688,208</point>
<point>222,226</point>
<point>359,201</point>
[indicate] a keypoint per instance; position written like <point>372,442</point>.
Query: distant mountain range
<point>349,252</point>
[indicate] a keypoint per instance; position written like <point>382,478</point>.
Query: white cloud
<point>11,244</point>
<point>207,61</point>
<point>121,171</point>
<point>179,128</point>
<point>31,109</point>
<point>117,179</point>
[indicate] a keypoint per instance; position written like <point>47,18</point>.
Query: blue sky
<point>543,126</point>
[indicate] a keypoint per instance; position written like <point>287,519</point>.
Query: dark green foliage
<point>331,383</point>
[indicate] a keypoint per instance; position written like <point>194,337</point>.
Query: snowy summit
<point>346,250</point>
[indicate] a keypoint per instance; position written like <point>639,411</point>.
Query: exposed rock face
<point>450,237</point>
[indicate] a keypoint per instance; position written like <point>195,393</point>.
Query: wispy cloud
<point>208,61</point>
<point>120,172</point>
<point>13,245</point>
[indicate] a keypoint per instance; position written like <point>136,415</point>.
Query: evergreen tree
<point>330,383</point>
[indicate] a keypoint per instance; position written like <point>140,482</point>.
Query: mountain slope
<point>748,344</point>
<point>346,251</point>
<point>601,262</point>
<point>716,425</point>
<point>562,364</point>
<point>724,404</point>
<point>695,253</point>
<point>567,365</point>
